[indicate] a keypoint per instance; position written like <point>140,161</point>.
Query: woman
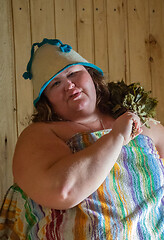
<point>79,173</point>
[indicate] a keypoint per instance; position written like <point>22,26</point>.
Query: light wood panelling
<point>100,34</point>
<point>42,19</point>
<point>65,20</point>
<point>8,132</point>
<point>156,40</point>
<point>139,50</point>
<point>85,38</point>
<point>117,37</point>
<point>22,40</point>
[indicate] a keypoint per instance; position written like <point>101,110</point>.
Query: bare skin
<point>44,166</point>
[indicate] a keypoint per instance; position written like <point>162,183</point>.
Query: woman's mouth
<point>75,96</point>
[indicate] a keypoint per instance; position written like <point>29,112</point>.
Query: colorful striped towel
<point>128,205</point>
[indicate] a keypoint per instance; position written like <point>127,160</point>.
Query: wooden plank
<point>85,37</point>
<point>100,35</point>
<point>65,20</point>
<point>8,131</point>
<point>139,50</point>
<point>22,39</point>
<point>42,19</point>
<point>156,40</point>
<point>117,39</point>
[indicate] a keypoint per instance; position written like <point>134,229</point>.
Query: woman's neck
<point>96,122</point>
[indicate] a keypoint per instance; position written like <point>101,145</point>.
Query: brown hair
<point>45,113</point>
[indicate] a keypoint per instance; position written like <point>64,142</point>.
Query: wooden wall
<point>125,38</point>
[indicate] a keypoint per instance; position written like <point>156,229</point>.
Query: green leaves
<point>131,98</point>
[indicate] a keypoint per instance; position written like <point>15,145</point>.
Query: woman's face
<point>72,92</point>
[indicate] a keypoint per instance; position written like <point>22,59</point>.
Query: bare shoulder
<point>35,135</point>
<point>42,131</point>
<point>32,129</point>
<point>37,148</point>
<point>156,133</point>
<point>156,129</point>
<point>39,137</point>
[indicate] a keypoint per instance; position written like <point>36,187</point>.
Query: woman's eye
<point>55,84</point>
<point>72,74</point>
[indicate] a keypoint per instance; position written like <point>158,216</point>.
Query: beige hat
<point>50,59</point>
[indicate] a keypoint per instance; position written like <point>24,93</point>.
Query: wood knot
<point>152,40</point>
<point>151,59</point>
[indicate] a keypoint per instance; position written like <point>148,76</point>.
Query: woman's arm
<point>45,168</point>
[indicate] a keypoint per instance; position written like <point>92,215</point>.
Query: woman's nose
<point>69,84</point>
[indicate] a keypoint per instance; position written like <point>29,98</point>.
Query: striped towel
<point>128,205</point>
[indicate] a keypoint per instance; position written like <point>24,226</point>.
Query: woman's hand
<point>128,126</point>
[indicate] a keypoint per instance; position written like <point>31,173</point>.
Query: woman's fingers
<point>135,123</point>
<point>128,125</point>
<point>136,128</point>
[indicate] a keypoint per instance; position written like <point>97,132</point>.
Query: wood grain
<point>65,20</point>
<point>156,41</point>
<point>100,34</point>
<point>22,45</point>
<point>8,130</point>
<point>117,37</point>
<point>85,38</point>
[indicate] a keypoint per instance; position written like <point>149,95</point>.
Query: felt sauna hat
<point>51,58</point>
